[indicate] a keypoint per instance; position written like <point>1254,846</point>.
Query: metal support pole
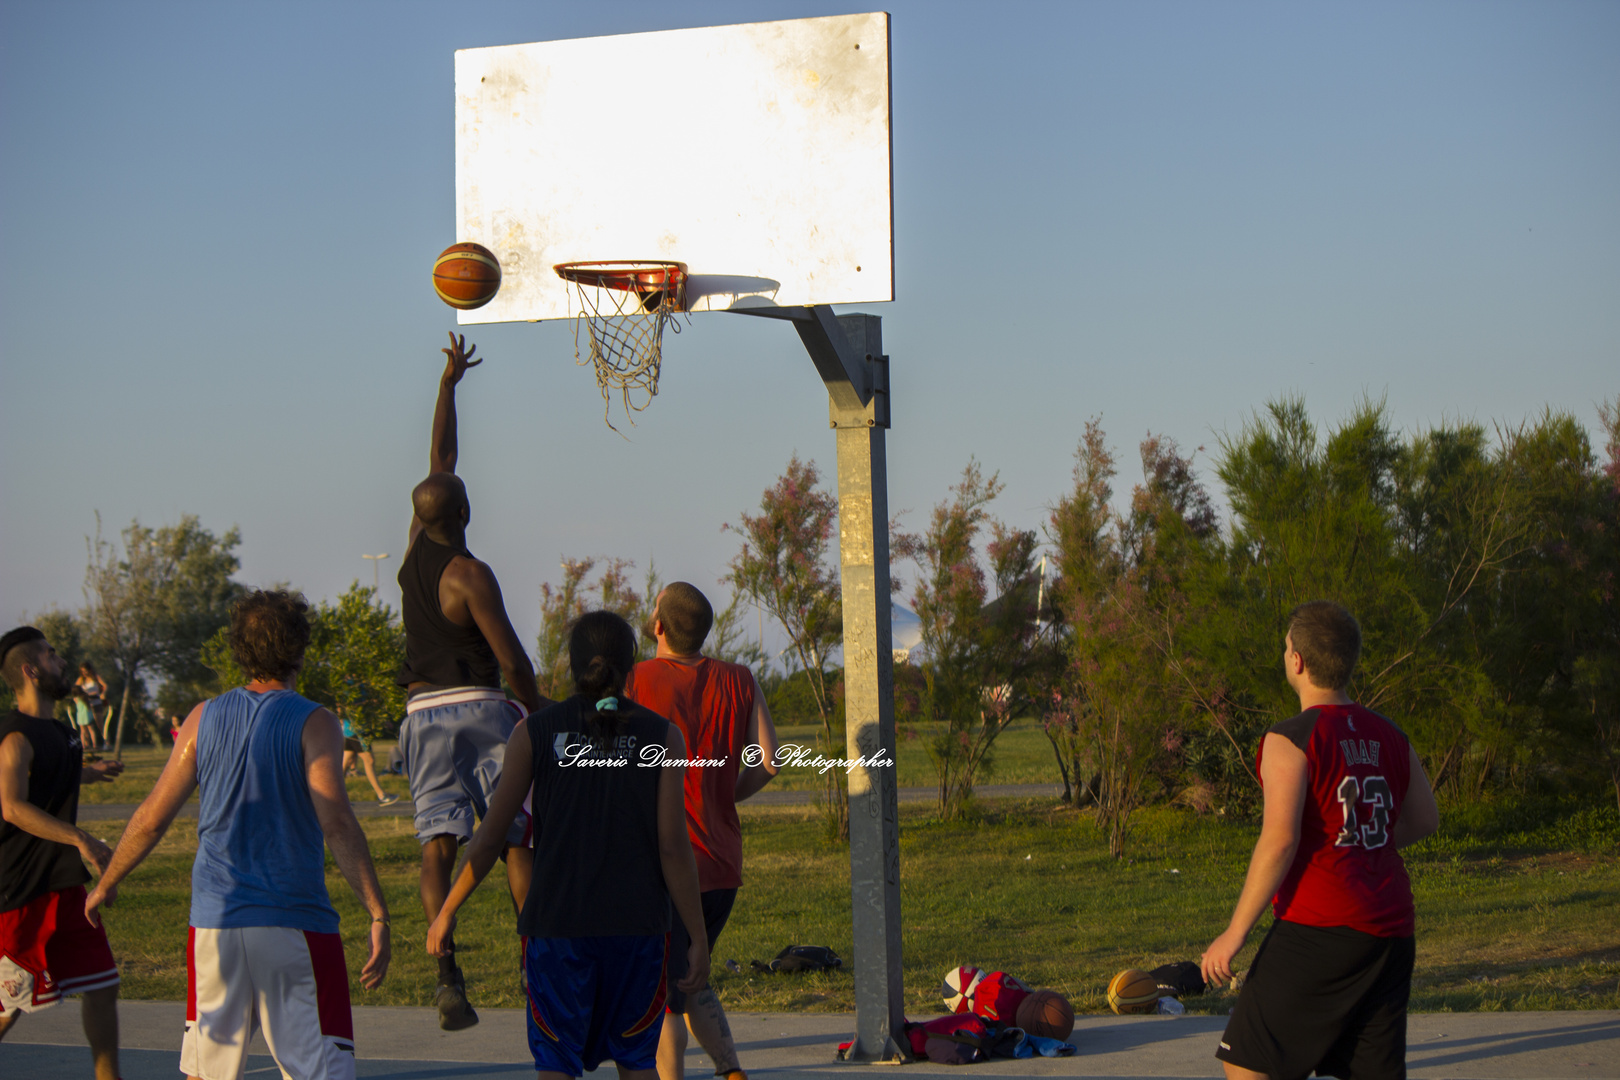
<point>848,353</point>
<point>874,824</point>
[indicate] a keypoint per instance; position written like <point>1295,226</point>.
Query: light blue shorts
<point>454,742</point>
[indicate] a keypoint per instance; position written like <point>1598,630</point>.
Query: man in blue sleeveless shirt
<point>458,645</point>
<point>264,944</point>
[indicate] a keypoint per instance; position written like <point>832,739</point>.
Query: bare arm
<point>155,814</point>
<point>761,733</point>
<point>1420,815</point>
<point>443,448</point>
<point>323,768</point>
<point>517,775</point>
<point>680,868</point>
<point>16,758</point>
<point>1286,776</point>
<point>97,772</point>
<point>473,583</point>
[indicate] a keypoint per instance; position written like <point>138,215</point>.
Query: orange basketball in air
<point>466,276</point>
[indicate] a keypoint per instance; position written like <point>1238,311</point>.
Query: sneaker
<point>388,800</point>
<point>455,1011</point>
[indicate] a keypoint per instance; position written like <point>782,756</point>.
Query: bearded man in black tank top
<point>458,645</point>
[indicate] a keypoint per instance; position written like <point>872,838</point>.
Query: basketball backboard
<point>758,155</point>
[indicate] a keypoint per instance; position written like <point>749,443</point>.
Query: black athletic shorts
<point>716,910</point>
<point>1330,999</point>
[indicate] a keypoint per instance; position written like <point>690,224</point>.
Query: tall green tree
<point>983,653</point>
<point>1131,685</point>
<point>782,565</point>
<point>562,604</point>
<point>356,647</point>
<point>155,599</point>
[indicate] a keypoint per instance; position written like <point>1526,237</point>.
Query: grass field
<point>1022,756</point>
<point>1511,915</point>
<point>143,765</point>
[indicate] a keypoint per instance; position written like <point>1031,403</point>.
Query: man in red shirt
<point>1344,790</point>
<point>720,709</point>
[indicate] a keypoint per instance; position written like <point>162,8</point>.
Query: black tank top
<point>597,870</point>
<point>438,651</point>
<point>30,866</point>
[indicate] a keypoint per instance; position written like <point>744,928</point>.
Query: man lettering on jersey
<point>48,949</point>
<point>1344,791</point>
<point>263,949</point>
<point>721,711</point>
<point>458,644</point>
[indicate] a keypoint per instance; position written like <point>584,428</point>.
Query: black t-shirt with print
<point>597,870</point>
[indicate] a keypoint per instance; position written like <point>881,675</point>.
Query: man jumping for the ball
<point>458,644</point>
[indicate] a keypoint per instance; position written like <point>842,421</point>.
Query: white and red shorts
<point>292,983</point>
<point>48,949</point>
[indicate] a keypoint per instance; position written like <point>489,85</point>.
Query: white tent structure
<point>906,632</point>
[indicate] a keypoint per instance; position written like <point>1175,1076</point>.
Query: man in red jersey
<point>1343,792</point>
<point>720,709</point>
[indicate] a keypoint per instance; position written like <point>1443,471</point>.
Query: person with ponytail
<point>611,855</point>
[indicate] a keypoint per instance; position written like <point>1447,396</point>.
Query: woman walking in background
<point>84,721</point>
<point>356,746</point>
<point>95,693</point>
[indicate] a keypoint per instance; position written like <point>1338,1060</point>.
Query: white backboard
<point>759,155</point>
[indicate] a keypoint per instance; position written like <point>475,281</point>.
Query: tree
<point>982,653</point>
<point>1130,686</point>
<point>156,603</point>
<point>356,647</point>
<point>782,566</point>
<point>560,606</point>
<point>1597,666</point>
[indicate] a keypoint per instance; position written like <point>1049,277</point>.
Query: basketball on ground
<point>1046,1013</point>
<point>959,985</point>
<point>466,276</point>
<point>1133,991</point>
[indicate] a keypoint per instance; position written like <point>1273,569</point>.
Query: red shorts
<point>49,949</point>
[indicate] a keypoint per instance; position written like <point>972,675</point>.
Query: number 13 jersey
<point>1347,871</point>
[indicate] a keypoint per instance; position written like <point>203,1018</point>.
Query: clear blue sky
<point>217,222</point>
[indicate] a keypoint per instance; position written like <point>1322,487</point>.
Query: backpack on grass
<point>800,958</point>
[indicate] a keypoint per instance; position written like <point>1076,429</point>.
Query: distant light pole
<point>375,560</point>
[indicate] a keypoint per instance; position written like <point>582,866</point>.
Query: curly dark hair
<point>269,633</point>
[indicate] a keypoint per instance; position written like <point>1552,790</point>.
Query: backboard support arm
<point>848,353</point>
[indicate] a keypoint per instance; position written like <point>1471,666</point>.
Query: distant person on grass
<point>1344,790</point>
<point>264,949</point>
<point>458,644</point>
<point>95,692</point>
<point>721,711</point>
<point>357,748</point>
<point>48,949</point>
<point>610,853</point>
<point>84,720</point>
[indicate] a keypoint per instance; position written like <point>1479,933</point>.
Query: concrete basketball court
<point>406,1044</point>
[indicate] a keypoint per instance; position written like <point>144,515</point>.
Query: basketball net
<point>625,306</point>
